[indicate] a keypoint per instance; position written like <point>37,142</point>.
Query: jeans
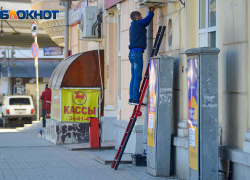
<point>44,115</point>
<point>136,60</point>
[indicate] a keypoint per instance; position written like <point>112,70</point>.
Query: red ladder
<point>136,111</point>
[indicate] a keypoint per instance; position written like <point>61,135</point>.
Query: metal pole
<point>37,86</point>
<point>99,121</point>
<point>8,73</point>
<point>147,57</point>
<point>66,38</point>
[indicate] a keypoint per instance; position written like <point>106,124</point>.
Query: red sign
<point>111,3</point>
<point>34,50</point>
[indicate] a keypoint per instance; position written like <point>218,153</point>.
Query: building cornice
<point>41,2</point>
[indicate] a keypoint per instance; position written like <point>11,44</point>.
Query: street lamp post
<point>37,85</point>
<point>35,52</point>
<point>8,73</point>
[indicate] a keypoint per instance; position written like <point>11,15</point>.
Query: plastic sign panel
<point>193,109</point>
<point>53,51</point>
<point>152,101</point>
<point>79,104</point>
<point>55,104</point>
<point>34,29</point>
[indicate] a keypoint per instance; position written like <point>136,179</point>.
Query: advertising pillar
<point>202,74</point>
<point>160,115</point>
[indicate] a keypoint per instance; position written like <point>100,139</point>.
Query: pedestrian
<point>138,43</point>
<point>46,97</point>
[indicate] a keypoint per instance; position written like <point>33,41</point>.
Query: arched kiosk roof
<point>79,70</point>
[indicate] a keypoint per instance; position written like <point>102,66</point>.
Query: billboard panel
<point>152,101</point>
<point>193,108</point>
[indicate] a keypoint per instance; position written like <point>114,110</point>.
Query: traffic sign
<point>34,29</point>
<point>35,50</point>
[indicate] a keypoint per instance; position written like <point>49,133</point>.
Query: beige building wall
<point>110,44</point>
<point>126,110</point>
<point>234,76</point>
<point>233,41</point>
<point>111,41</point>
<point>233,38</point>
<point>126,8</point>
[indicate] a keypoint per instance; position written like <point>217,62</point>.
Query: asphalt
<point>24,156</point>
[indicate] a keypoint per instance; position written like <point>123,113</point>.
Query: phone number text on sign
<point>71,118</point>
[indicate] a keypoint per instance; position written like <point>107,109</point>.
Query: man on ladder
<point>138,43</point>
<point>135,57</point>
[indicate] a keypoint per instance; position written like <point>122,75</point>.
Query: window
<point>208,20</point>
<point>19,101</point>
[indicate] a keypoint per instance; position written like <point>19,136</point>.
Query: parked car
<point>16,108</point>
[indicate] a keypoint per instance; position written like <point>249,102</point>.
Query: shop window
<point>207,32</point>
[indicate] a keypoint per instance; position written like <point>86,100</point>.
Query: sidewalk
<point>23,156</point>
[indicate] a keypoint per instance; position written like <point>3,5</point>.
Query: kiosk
<point>76,86</point>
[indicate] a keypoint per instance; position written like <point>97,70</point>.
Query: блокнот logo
<point>28,14</point>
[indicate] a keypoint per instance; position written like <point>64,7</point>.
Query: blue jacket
<point>137,33</point>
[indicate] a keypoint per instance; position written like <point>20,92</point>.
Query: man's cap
<point>47,85</point>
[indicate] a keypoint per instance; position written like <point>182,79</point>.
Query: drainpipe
<point>147,57</point>
<point>66,38</point>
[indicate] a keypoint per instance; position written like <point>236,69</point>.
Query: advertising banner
<point>55,104</point>
<point>79,104</point>
<point>152,101</point>
<point>193,109</point>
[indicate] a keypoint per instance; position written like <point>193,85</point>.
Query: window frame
<point>207,29</point>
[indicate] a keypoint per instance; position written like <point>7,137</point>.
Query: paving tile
<point>46,161</point>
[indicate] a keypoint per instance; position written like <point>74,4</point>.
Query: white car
<point>17,107</point>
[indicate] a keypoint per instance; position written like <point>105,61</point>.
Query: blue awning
<point>26,68</point>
